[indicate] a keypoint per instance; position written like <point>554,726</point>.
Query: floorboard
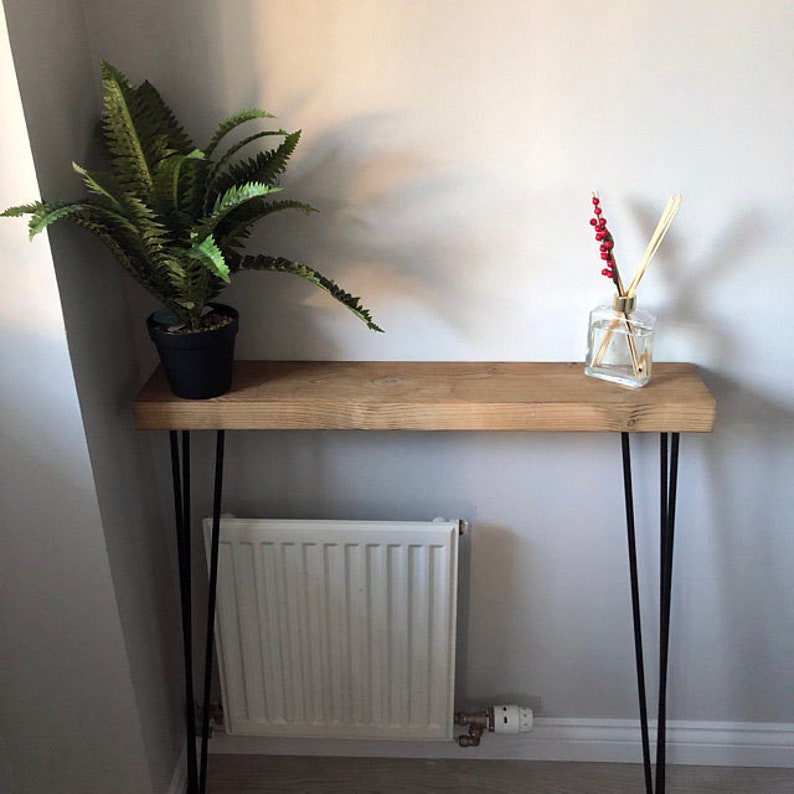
<point>252,774</point>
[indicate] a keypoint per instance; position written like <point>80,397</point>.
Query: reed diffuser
<point>620,339</point>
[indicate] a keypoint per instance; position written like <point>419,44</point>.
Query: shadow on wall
<point>752,545</point>
<point>355,240</point>
<point>692,283</point>
<point>496,550</point>
<point>40,404</point>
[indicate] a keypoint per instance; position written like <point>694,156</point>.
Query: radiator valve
<point>494,719</point>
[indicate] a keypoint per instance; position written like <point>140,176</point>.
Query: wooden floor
<point>251,774</point>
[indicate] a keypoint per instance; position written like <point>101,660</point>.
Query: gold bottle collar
<point>624,304</point>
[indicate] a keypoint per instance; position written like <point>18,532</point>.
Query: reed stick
<point>668,216</point>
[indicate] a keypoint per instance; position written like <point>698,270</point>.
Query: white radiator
<point>337,628</point>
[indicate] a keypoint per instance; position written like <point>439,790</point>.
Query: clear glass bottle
<point>620,343</point>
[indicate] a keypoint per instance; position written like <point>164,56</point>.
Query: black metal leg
<point>668,488</point>
<point>182,517</point>
<point>635,604</point>
<point>213,589</point>
<point>667,532</point>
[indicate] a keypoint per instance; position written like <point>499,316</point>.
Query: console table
<point>431,396</point>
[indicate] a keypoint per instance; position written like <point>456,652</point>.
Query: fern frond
<point>179,183</point>
<point>264,167</point>
<point>278,158</point>
<point>236,226</point>
<point>50,212</point>
<point>234,148</point>
<point>93,181</point>
<point>238,195</point>
<point>234,198</point>
<point>151,129</point>
<point>20,210</point>
<point>164,119</point>
<point>118,246</point>
<point>281,265</point>
<point>208,253</point>
<point>128,163</point>
<point>112,74</point>
<point>145,219</point>
<point>226,126</point>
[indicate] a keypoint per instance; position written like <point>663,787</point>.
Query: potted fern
<point>176,218</point>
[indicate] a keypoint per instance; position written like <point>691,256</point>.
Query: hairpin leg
<point>635,604</point>
<point>213,590</point>
<point>669,478</point>
<point>181,481</point>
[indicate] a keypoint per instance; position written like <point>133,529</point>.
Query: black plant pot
<point>198,365</point>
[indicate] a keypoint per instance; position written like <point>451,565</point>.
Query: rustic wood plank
<point>389,395</point>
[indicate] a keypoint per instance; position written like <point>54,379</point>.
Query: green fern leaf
<point>138,124</point>
<point>129,163</point>
<point>229,124</point>
<point>210,255</point>
<point>21,209</point>
<point>232,150</point>
<point>49,212</point>
<point>164,119</point>
<point>136,268</point>
<point>277,159</point>
<point>93,182</point>
<point>264,167</point>
<point>236,226</point>
<point>281,265</point>
<point>178,182</point>
<point>233,199</point>
<point>236,196</point>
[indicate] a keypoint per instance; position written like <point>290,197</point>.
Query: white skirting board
<point>615,741</point>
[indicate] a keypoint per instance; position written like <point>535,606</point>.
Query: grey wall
<point>70,720</point>
<point>57,79</point>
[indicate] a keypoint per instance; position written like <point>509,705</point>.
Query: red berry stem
<point>607,244</point>
<point>606,248</point>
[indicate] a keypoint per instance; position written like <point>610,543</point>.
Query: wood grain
<point>251,774</point>
<point>404,395</point>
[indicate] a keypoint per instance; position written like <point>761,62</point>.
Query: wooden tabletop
<point>412,395</point>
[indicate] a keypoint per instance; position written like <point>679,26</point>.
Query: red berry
<point>605,257</point>
<point>606,272</point>
<point>609,244</point>
<point>603,248</point>
<point>593,221</point>
<point>597,210</point>
<point>599,236</point>
<point>596,200</point>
